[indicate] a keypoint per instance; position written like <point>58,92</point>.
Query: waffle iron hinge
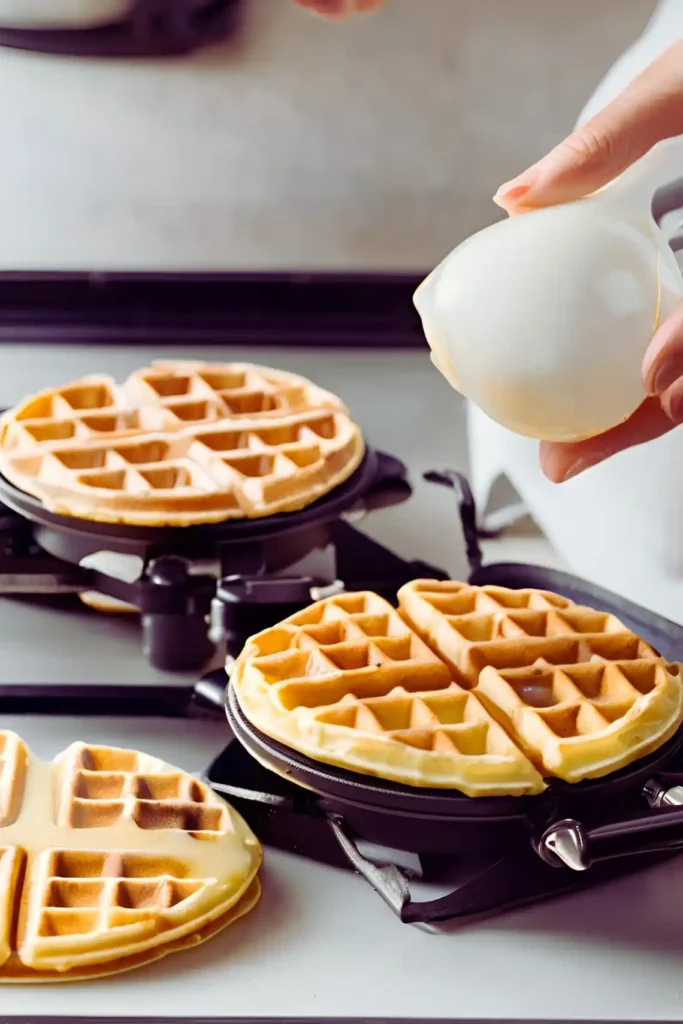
<point>174,605</point>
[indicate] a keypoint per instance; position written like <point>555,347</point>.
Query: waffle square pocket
<point>126,860</point>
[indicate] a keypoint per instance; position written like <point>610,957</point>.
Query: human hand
<point>649,110</point>
<point>338,10</point>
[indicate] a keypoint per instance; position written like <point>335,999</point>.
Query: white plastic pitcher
<point>543,319</point>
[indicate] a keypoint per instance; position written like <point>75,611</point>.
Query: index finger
<point>649,110</point>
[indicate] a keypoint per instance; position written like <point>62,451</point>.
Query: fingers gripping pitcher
<point>543,319</point>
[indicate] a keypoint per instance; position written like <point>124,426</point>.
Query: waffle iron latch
<point>568,843</point>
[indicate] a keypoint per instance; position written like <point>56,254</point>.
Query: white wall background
<point>372,144</point>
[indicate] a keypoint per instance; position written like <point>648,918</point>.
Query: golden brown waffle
<point>347,682</point>
<point>110,859</point>
<point>581,694</point>
<point>483,690</point>
<point>179,444</point>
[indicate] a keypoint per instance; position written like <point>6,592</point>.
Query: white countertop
<point>322,944</point>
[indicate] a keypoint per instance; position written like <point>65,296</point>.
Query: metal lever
<point>481,895</point>
<point>571,844</point>
<point>564,843</point>
<point>388,882</point>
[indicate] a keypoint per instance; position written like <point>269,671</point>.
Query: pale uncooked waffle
<point>575,688</point>
<point>106,605</point>
<point>179,444</point>
<point>347,682</point>
<point>512,688</point>
<point>110,859</point>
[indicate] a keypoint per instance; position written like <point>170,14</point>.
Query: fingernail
<point>581,465</point>
<point>664,377</point>
<point>510,192</point>
<point>517,188</point>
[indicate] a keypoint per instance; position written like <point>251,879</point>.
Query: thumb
<point>648,110</point>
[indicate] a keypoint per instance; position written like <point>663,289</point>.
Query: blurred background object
<point>60,13</point>
<point>375,143</point>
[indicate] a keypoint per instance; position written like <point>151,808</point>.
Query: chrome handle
<point>658,794</point>
<point>571,844</point>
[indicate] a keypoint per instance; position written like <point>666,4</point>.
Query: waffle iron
<point>171,574</point>
<point>634,814</point>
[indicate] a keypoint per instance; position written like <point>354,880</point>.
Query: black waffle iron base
<point>489,855</point>
<point>199,587</point>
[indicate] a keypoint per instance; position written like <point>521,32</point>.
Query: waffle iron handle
<point>568,843</point>
<point>466,509</point>
<point>391,884</point>
<point>388,882</point>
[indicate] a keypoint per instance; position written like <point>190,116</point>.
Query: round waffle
<point>180,443</point>
<point>110,859</point>
<point>481,689</point>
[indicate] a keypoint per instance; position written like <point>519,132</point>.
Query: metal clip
<point>563,843</point>
<point>658,794</point>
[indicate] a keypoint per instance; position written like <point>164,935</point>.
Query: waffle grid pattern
<point>91,893</point>
<point>350,666</point>
<point>497,689</point>
<point>474,627</point>
<point>173,445</point>
<point>103,787</point>
<point>559,678</point>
